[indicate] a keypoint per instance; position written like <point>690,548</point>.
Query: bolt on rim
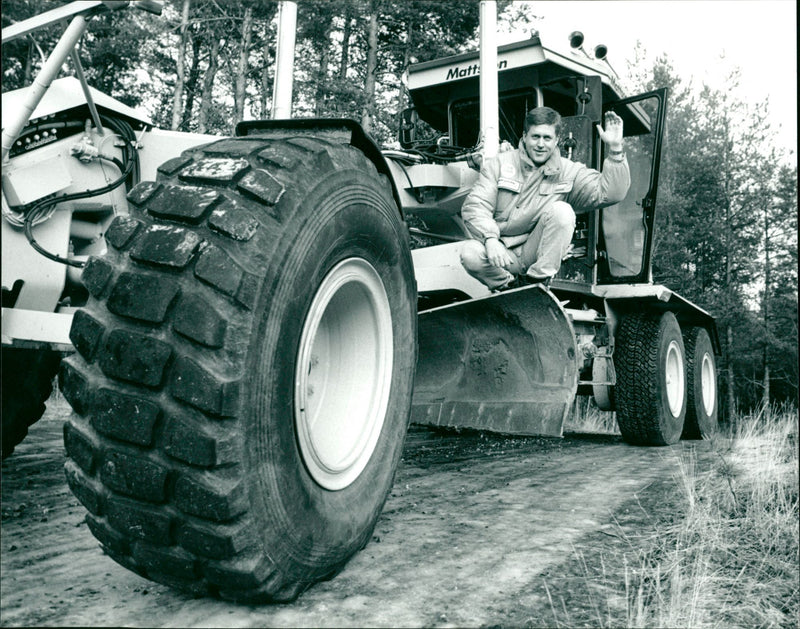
<point>343,374</point>
<point>709,383</point>
<point>675,380</point>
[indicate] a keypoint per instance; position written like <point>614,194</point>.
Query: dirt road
<point>479,530</point>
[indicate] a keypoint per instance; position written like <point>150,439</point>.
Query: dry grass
<point>732,559</point>
<point>719,549</point>
<point>587,418</point>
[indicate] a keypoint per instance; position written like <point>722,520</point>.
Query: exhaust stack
<point>490,118</point>
<point>284,60</point>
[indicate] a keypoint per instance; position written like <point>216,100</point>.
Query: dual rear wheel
<point>666,380</point>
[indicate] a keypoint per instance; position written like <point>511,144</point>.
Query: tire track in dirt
<point>472,526</point>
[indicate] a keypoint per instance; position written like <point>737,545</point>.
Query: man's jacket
<point>511,192</point>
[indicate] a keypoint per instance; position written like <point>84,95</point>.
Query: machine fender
<point>625,298</point>
<point>344,130</point>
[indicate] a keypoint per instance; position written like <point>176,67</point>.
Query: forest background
<point>726,235</point>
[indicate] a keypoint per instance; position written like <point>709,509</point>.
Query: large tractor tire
<point>245,368</point>
<point>28,376</point>
<point>651,379</point>
<point>701,376</point>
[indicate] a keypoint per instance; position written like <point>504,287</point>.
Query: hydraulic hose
<point>41,208</point>
<point>129,167</point>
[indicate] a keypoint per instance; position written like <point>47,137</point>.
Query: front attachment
<point>505,363</point>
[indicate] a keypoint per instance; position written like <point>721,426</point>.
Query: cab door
<point>625,239</point>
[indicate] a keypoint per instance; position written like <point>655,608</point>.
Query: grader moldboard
<point>247,341</point>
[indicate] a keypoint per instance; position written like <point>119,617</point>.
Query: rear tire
<point>603,393</point>
<point>651,379</point>
<point>701,376</point>
<point>28,376</point>
<point>245,368</point>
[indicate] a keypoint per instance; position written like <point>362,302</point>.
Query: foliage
<point>722,187</point>
<point>22,56</point>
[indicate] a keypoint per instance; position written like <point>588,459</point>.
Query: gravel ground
<point>479,530</point>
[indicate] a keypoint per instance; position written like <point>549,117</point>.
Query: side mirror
<point>406,133</point>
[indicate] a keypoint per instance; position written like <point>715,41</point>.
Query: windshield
<point>465,116</point>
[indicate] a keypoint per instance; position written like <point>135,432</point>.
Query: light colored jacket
<point>511,192</point>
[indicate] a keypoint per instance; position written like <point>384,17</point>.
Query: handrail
<point>80,11</point>
<point>48,18</point>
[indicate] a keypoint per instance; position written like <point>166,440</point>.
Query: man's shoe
<point>527,280</point>
<point>523,280</point>
<point>530,280</point>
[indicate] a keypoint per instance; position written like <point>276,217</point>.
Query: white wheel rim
<point>708,381</point>
<point>344,372</point>
<point>675,380</point>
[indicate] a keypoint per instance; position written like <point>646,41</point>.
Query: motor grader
<point>252,321</point>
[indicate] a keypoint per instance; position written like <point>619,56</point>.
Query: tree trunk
<point>729,370</point>
<point>372,70</point>
<point>241,70</point>
<point>208,86</point>
<point>765,307</point>
<point>28,75</point>
<point>402,98</point>
<point>191,82</point>
<point>180,69</point>
<point>346,32</point>
<point>322,74</point>
<point>266,84</point>
<point>729,253</point>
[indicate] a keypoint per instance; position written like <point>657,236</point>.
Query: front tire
<point>651,379</point>
<point>245,368</point>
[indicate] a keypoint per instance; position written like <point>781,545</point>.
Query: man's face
<point>540,142</point>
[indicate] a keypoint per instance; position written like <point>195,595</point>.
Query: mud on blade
<point>506,363</point>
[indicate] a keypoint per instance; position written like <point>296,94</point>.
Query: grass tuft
<point>732,559</point>
<point>587,418</point>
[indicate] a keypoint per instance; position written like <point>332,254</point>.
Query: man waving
<point>521,210</point>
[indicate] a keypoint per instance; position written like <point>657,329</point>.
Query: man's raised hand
<point>612,134</point>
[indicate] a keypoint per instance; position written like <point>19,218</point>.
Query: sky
<point>757,36</point>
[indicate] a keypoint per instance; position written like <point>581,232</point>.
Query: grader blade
<point>505,363</point>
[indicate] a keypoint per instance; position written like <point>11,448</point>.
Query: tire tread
<point>637,393</point>
<point>154,448</point>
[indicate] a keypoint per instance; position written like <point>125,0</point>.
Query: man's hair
<point>543,115</point>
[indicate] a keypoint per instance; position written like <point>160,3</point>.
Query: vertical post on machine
<point>284,60</point>
<point>490,118</point>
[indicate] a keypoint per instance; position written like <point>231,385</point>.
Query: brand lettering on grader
<point>473,70</point>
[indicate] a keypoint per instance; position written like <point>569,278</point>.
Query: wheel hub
<point>344,372</point>
<point>675,378</point>
<point>708,378</point>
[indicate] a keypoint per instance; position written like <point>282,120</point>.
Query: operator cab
<point>612,245</point>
